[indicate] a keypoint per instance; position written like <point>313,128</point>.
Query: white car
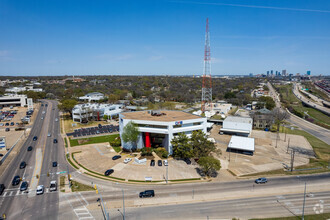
<point>165,163</point>
<point>56,119</point>
<point>40,189</point>
<point>127,160</point>
<point>42,118</point>
<point>53,186</point>
<point>49,134</point>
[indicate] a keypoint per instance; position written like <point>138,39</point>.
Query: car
<point>53,186</point>
<point>127,160</point>
<point>165,163</point>
<point>147,193</point>
<point>116,157</point>
<point>54,164</point>
<point>2,188</point>
<point>7,124</point>
<point>29,148</point>
<point>16,180</point>
<point>46,105</point>
<point>40,189</point>
<point>160,163</point>
<point>42,104</point>
<point>261,180</point>
<point>7,129</point>
<point>22,165</point>
<point>35,138</point>
<point>55,141</point>
<point>187,160</point>
<point>12,123</point>
<point>108,172</point>
<point>152,163</point>
<point>1,155</point>
<point>49,134</point>
<point>2,124</point>
<point>24,186</point>
<point>43,112</point>
<point>100,126</point>
<point>42,118</point>
<point>56,119</point>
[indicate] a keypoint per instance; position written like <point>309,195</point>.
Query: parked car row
<point>94,130</point>
<point>159,162</point>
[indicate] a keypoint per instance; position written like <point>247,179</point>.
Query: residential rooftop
<point>166,116</point>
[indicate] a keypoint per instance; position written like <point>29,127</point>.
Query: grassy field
<point>93,140</point>
<point>76,187</point>
<point>316,92</point>
<point>323,216</point>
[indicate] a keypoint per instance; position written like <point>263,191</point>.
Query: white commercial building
<point>14,100</point>
<point>158,128</point>
<point>93,111</point>
<point>241,144</point>
<point>237,125</point>
<point>94,96</point>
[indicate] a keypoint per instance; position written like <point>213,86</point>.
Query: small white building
<point>13,100</point>
<point>93,96</point>
<point>237,125</point>
<point>158,128</point>
<point>243,145</point>
<point>93,111</point>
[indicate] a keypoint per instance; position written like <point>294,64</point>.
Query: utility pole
<point>287,149</point>
<point>285,136</point>
<point>292,159</point>
<point>276,139</point>
<point>166,174</point>
<point>104,210</point>
<point>123,204</point>
<point>303,210</point>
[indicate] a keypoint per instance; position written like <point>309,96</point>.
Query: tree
<point>279,116</point>
<point>67,105</point>
<point>130,135</point>
<point>269,102</point>
<point>181,146</point>
<point>209,164</point>
<point>200,145</point>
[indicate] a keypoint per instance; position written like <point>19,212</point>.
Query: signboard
<point>61,172</point>
<point>148,178</point>
<point>178,123</point>
<point>30,103</point>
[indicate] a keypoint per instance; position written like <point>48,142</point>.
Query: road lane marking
<point>4,194</point>
<point>83,198</point>
<point>17,193</point>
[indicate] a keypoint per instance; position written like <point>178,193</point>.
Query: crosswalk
<point>17,192</point>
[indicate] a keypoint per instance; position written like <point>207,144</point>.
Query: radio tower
<point>207,80</point>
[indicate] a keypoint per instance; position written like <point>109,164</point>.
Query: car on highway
<point>2,188</point>
<point>46,105</point>
<point>29,148</point>
<point>54,164</point>
<point>49,134</point>
<point>152,163</point>
<point>108,172</point>
<point>261,180</point>
<point>42,118</point>
<point>40,189</point>
<point>165,163</point>
<point>160,163</point>
<point>116,157</point>
<point>22,165</point>
<point>147,193</point>
<point>16,180</point>
<point>127,160</point>
<point>55,141</point>
<point>56,119</point>
<point>53,186</point>
<point>35,138</point>
<point>24,186</point>
<point>43,112</point>
<point>42,104</point>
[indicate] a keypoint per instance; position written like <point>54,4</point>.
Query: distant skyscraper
<point>251,74</point>
<point>267,73</point>
<point>308,72</point>
<point>283,72</point>
<point>271,72</point>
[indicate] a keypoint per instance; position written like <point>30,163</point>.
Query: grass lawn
<point>76,187</point>
<point>323,216</point>
<point>62,181</point>
<point>94,140</point>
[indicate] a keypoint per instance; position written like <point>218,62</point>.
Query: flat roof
<point>238,119</point>
<point>241,143</point>
<point>169,116</point>
<point>235,130</point>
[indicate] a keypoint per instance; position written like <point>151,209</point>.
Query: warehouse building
<point>158,128</point>
<point>243,145</point>
<point>235,125</point>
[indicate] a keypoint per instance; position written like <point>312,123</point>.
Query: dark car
<point>160,163</point>
<point>2,188</point>
<point>29,148</point>
<point>116,157</point>
<point>22,165</point>
<point>152,163</point>
<point>108,172</point>
<point>147,193</point>
<point>46,105</point>
<point>100,126</point>
<point>261,180</point>
<point>42,104</point>
<point>24,186</point>
<point>35,138</point>
<point>187,160</point>
<point>54,164</point>
<point>7,124</point>
<point>55,141</point>
<point>16,180</point>
<point>7,129</point>
<point>1,155</point>
<point>12,123</point>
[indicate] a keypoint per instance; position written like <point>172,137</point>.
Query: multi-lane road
<point>27,205</point>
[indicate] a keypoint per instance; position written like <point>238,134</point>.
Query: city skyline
<point>163,37</point>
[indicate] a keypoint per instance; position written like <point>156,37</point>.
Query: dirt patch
<point>83,141</point>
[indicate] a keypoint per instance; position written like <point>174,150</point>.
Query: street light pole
<point>123,204</point>
<point>303,211</point>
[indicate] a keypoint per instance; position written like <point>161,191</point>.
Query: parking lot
<point>98,157</point>
<point>100,129</point>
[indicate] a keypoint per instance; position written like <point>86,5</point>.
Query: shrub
<point>146,151</point>
<point>161,152</point>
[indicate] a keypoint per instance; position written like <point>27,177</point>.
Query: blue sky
<point>56,37</point>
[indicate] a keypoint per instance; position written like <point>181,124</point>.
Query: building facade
<point>237,125</point>
<point>14,100</point>
<point>93,96</point>
<point>158,128</point>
